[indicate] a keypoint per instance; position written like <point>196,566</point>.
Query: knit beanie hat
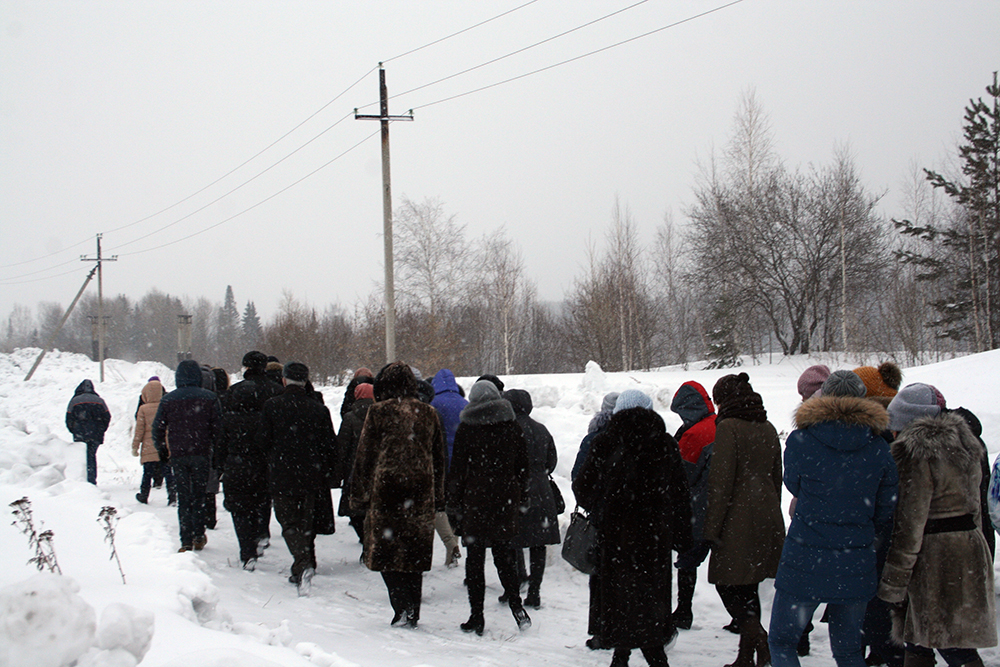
<point>883,381</point>
<point>483,390</point>
<point>610,399</point>
<point>812,380</point>
<point>632,398</point>
<point>733,385</point>
<point>844,383</point>
<point>912,402</point>
<point>296,371</point>
<point>364,390</point>
<point>363,372</point>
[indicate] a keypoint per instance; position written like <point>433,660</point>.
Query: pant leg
<point>190,477</point>
<point>686,580</point>
<point>246,524</point>
<point>92,462</point>
<point>846,636</point>
<point>148,474</point>
<point>475,574</point>
<point>537,560</point>
<point>394,586</point>
<point>505,559</point>
<point>210,511</point>
<point>444,530</point>
<point>295,514</point>
<point>414,590</point>
<point>594,617</point>
<point>265,517</point>
<point>789,618</point>
<point>168,479</point>
<point>741,601</point>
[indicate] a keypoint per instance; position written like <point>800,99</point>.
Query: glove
<point>693,557</point>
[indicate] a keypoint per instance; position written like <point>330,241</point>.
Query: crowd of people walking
<point>890,526</point>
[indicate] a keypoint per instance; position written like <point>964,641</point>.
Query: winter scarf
<point>486,406</point>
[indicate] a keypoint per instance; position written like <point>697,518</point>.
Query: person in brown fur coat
<point>938,574</point>
<point>398,480</point>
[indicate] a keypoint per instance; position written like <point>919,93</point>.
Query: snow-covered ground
<point>204,611</point>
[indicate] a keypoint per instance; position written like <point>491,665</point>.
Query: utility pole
<point>390,291</point>
<point>183,338</point>
<point>65,317</point>
<point>100,299</point>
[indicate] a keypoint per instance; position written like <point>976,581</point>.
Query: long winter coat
<point>488,479</point>
<point>633,484</point>
<point>347,446</point>
<point>947,577</point>
<point>398,480</point>
<point>87,415</point>
<point>539,525</point>
<point>743,519</point>
<point>243,461</point>
<point>839,467</point>
<point>191,414</point>
<point>142,438</point>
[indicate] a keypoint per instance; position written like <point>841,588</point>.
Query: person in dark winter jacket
<point>744,529</point>
<point>539,526</point>
<point>347,446</point>
<point>634,486</point>
<point>449,403</point>
<point>487,491</point>
<point>87,418</point>
<point>244,480</point>
<point>296,434</point>
<point>938,574</point>
<point>361,376</point>
<point>839,467</point>
<point>189,422</point>
<point>398,480</point>
<point>208,381</point>
<point>597,423</point>
<point>984,486</point>
<point>694,438</point>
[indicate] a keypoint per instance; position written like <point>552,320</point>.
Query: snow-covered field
<point>205,611</point>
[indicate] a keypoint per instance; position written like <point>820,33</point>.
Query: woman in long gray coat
<point>398,480</point>
<point>938,574</point>
<point>486,493</point>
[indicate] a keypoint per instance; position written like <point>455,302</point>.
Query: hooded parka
<point>539,525</point>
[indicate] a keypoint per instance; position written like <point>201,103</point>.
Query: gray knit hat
<point>608,404</point>
<point>632,398</point>
<point>912,402</point>
<point>844,383</point>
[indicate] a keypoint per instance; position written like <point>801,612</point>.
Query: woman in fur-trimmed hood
<point>839,467</point>
<point>938,565</point>
<point>487,493</point>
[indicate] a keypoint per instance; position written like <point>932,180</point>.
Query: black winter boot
<point>655,656</point>
<point>620,657</point>
<point>683,615</point>
<point>476,623</point>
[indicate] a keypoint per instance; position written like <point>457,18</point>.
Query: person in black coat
<point>634,486</point>
<point>87,418</point>
<point>486,493</point>
<point>347,446</point>
<point>361,376</point>
<point>296,433</point>
<point>539,526</point>
<point>244,465</point>
<point>186,430</point>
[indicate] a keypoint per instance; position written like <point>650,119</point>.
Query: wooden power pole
<point>390,292</point>
<point>100,299</point>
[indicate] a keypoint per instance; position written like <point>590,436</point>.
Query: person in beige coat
<point>938,575</point>
<point>744,528</point>
<point>142,444</point>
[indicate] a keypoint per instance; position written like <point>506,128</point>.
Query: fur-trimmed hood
<point>844,409</point>
<point>945,436</point>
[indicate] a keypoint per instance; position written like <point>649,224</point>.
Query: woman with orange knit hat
<point>882,383</point>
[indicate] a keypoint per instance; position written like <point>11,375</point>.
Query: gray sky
<point>111,112</point>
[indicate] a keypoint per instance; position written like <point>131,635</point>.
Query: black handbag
<point>579,547</point>
<point>557,496</point>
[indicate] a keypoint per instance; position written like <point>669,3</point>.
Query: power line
<point>250,208</point>
<point>41,257</point>
<point>580,57</point>
<point>455,34</point>
<point>35,273</point>
<point>36,280</point>
<point>238,187</point>
<point>522,50</point>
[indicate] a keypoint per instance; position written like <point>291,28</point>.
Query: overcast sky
<point>118,117</point>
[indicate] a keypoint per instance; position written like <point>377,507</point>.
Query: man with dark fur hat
<point>297,436</point>
<point>245,466</point>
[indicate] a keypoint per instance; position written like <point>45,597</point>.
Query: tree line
<point>771,259</point>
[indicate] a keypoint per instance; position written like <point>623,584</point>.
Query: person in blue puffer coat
<point>449,403</point>
<point>839,467</point>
